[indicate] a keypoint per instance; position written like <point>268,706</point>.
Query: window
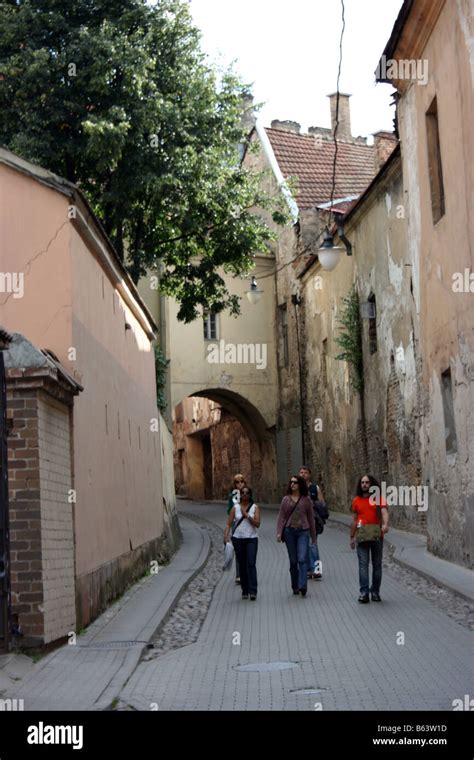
<point>373,325</point>
<point>434,162</point>
<point>210,325</point>
<point>283,353</point>
<point>324,361</point>
<point>448,408</point>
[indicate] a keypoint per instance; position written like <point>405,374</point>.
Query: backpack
<point>320,510</point>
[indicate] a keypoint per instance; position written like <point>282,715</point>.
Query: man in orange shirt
<point>369,508</point>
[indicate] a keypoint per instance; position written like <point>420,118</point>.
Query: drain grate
<point>113,645</point>
<point>308,690</point>
<point>265,667</point>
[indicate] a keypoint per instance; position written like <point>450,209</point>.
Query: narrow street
<point>344,656</point>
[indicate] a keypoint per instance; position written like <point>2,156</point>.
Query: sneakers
<point>317,576</point>
<point>303,591</point>
<point>237,580</point>
<point>296,591</point>
<point>376,598</point>
<point>245,596</point>
<point>253,597</point>
<point>364,599</point>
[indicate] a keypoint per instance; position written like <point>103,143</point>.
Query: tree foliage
<point>117,96</point>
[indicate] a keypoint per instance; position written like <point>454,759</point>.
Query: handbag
<point>228,555</point>
<point>282,537</point>
<point>229,547</point>
<point>370,532</point>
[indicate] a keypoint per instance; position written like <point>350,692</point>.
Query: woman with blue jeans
<point>244,521</point>
<point>295,526</point>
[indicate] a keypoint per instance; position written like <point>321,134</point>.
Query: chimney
<point>344,117</point>
<point>287,126</point>
<point>249,118</point>
<point>384,145</point>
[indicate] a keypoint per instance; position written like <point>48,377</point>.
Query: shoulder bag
<point>370,532</point>
<point>287,520</point>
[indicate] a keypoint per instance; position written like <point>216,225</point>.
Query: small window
<point>210,326</point>
<point>434,162</point>
<point>373,325</point>
<point>324,361</point>
<point>283,353</point>
<point>448,408</point>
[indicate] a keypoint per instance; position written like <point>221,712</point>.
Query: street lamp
<point>254,294</point>
<point>329,254</point>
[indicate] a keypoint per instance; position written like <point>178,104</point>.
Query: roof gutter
<point>269,153</point>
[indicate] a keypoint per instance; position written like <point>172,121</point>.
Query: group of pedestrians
<point>301,519</point>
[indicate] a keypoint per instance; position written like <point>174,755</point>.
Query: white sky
<point>289,50</point>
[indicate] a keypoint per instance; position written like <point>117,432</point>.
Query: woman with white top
<point>245,540</point>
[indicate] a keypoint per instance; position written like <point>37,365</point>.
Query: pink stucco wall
<point>69,303</point>
<point>35,235</point>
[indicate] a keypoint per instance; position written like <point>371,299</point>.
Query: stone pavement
<point>339,655</point>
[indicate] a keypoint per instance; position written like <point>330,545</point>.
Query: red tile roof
<point>312,163</point>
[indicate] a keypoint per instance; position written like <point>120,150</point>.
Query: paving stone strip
<point>451,603</point>
<point>182,627</point>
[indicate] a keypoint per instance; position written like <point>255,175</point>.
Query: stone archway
<point>256,445</point>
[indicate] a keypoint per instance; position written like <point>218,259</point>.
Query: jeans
<point>297,542</point>
<point>364,550</point>
<point>246,553</point>
<point>313,558</point>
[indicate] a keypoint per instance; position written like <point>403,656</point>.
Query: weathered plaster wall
<point>380,432</point>
<point>437,252</point>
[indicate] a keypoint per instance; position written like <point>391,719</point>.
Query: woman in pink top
<point>295,526</point>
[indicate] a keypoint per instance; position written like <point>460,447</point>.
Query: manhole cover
<point>265,667</point>
<point>114,644</point>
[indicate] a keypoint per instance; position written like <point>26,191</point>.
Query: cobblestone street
<point>322,652</point>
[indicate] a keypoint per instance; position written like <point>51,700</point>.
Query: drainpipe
<point>296,301</point>
<point>5,340</point>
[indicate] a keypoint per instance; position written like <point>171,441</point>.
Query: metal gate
<point>4,535</point>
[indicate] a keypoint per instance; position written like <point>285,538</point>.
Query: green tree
<point>117,96</point>
<point>350,339</point>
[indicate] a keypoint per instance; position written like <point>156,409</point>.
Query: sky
<point>289,50</point>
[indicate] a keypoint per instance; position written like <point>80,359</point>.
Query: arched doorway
<point>217,433</point>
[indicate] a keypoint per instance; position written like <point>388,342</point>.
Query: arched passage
<point>214,440</point>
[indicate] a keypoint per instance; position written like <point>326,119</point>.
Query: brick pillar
<point>40,396</point>
<point>25,514</point>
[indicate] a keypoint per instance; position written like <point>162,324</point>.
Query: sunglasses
<point>294,482</point>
